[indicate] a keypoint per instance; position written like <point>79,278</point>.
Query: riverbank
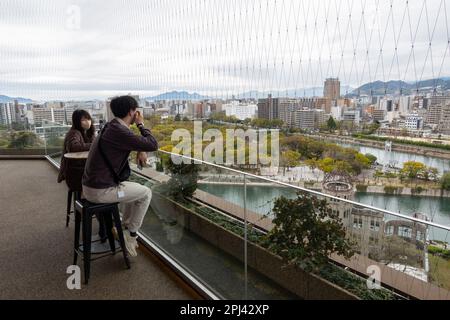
<point>418,150</point>
<point>368,189</point>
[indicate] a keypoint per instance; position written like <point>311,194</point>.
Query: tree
<point>412,169</point>
<point>177,117</point>
<point>307,231</point>
<point>183,181</point>
<point>371,157</point>
<point>326,164</point>
<point>445,181</point>
<point>290,159</point>
<point>265,123</point>
<point>23,139</point>
<point>331,124</point>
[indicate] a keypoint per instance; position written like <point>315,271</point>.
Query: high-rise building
<point>379,114</point>
<point>444,123</point>
<point>433,116</point>
<point>404,105</point>
<point>41,115</point>
<point>439,100</point>
<point>268,108</point>
<point>305,119</point>
<point>8,114</point>
<point>286,109</point>
<point>332,88</point>
<point>323,103</point>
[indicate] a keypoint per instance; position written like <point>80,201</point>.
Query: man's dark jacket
<point>117,142</point>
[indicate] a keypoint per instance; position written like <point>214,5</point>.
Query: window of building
<point>404,232</point>
<point>374,225</point>
<point>357,223</point>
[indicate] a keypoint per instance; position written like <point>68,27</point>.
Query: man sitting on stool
<point>107,167</point>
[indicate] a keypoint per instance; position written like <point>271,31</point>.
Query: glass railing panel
<point>192,233</point>
<point>53,133</point>
<point>201,231</point>
<point>410,251</point>
<point>21,140</point>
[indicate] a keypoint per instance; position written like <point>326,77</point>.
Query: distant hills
<point>392,87</point>
<point>4,99</point>
<point>378,88</point>
<point>177,95</point>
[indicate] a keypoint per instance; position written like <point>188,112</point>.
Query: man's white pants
<point>134,200</point>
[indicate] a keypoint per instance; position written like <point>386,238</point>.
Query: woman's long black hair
<point>76,124</point>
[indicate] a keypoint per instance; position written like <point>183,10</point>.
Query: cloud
<point>88,49</point>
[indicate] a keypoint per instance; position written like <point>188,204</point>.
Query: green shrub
<point>361,188</point>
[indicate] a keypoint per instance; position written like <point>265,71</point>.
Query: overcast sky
<point>94,49</point>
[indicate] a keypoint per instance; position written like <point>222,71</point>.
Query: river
<point>397,158</point>
<point>260,199</point>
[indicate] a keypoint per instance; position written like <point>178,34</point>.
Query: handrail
<point>318,193</point>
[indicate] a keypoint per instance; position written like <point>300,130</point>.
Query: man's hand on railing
<point>141,159</point>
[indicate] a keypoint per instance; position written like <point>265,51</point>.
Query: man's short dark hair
<point>120,106</point>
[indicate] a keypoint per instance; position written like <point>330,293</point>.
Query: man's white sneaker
<point>116,235</point>
<point>130,243</point>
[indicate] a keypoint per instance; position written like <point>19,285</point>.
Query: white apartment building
<point>336,112</point>
<point>41,115</point>
<point>8,114</point>
<point>240,111</point>
<point>413,122</point>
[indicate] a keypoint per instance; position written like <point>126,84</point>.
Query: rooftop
<point>37,247</point>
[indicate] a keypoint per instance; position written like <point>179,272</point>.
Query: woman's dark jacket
<point>71,170</point>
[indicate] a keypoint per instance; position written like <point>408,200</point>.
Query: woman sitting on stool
<point>78,139</point>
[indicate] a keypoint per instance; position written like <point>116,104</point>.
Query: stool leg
<point>87,238</point>
<point>118,225</point>
<point>77,236</point>
<point>101,227</point>
<point>69,205</point>
<point>109,225</point>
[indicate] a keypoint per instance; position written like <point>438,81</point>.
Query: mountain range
<point>4,99</point>
<point>392,87</point>
<point>177,95</point>
<point>372,88</point>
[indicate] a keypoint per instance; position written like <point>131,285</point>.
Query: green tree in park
<point>290,159</point>
<point>372,159</point>
<point>22,140</point>
<point>445,181</point>
<point>412,170</point>
<point>331,124</point>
